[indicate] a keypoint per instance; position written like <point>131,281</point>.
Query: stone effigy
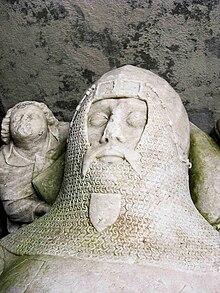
<point>31,135</point>
<point>124,220</point>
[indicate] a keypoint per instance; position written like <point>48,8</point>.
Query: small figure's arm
<point>23,211</point>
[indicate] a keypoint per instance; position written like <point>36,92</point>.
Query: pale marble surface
<point>31,134</point>
<point>71,275</point>
<point>124,220</point>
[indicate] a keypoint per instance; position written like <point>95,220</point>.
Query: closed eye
<point>136,119</point>
<point>98,119</point>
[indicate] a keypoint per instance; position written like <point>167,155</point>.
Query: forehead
<point>126,104</point>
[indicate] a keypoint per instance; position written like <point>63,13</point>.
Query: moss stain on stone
<point>196,173</point>
<point>203,151</point>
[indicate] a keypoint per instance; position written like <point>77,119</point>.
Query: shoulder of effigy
<point>3,164</point>
<point>3,148</point>
<point>2,160</point>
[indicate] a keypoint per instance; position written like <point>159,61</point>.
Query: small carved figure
<point>31,135</point>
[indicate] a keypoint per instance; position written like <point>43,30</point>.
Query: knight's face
<point>115,125</point>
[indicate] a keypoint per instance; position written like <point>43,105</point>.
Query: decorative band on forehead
<point>120,88</point>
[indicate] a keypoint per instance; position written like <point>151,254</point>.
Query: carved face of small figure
<point>115,127</point>
<point>28,123</point>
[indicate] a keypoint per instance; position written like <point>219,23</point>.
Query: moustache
<point>131,156</point>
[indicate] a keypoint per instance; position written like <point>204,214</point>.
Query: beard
<point>108,154</point>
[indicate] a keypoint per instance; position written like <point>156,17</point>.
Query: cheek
<point>94,135</point>
<point>38,125</point>
<point>35,125</point>
<point>133,134</point>
<point>18,126</point>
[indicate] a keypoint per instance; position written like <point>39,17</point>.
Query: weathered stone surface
<point>52,50</point>
<point>205,175</point>
<point>154,239</point>
<point>42,274</point>
<point>48,183</point>
<point>215,133</point>
<point>3,222</point>
<point>33,140</point>
<point>2,115</point>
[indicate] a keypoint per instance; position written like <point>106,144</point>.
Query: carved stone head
<point>117,117</point>
<point>27,121</point>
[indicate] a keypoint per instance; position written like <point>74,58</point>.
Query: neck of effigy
<point>111,177</point>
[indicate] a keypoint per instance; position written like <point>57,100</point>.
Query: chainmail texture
<point>158,223</point>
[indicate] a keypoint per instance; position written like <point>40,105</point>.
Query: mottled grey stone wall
<point>53,50</point>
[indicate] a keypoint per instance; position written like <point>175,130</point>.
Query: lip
<point>110,153</point>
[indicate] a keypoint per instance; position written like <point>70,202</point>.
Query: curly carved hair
<point>5,131</point>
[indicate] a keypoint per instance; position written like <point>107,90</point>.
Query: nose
<point>113,132</point>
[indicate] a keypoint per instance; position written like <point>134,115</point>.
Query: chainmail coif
<point>158,223</point>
